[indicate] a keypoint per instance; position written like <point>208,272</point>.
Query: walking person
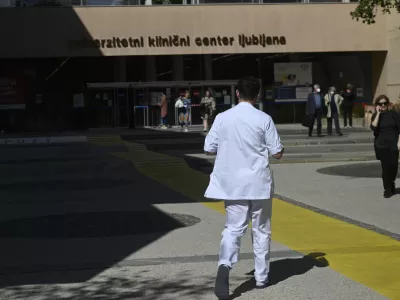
<point>208,102</point>
<point>349,98</point>
<point>386,127</point>
<point>242,138</point>
<point>333,101</point>
<point>164,111</point>
<point>314,109</point>
<point>183,105</point>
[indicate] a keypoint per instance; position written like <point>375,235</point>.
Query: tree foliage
<point>367,9</point>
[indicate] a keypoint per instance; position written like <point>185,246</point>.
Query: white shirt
<point>243,138</point>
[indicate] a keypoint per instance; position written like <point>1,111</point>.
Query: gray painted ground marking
<point>201,258</point>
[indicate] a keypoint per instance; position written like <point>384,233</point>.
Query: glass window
<point>227,1</point>
<point>166,2</point>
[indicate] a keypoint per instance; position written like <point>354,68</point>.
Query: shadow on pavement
<point>67,221</point>
<point>283,269</point>
<point>356,170</point>
<point>125,286</point>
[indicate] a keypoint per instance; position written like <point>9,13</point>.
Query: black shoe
<point>222,283</point>
<point>262,285</point>
<point>340,134</point>
<point>387,194</point>
<point>393,189</point>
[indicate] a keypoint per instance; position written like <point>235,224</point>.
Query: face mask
<point>318,90</point>
<point>332,93</point>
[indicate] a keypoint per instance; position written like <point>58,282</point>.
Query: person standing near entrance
<point>242,138</point>
<point>314,109</point>
<point>209,110</point>
<point>333,102</point>
<point>349,98</point>
<point>164,111</point>
<point>183,104</point>
<point>386,127</point>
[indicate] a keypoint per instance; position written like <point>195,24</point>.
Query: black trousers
<point>390,163</point>
<point>317,115</point>
<point>335,117</point>
<point>348,113</point>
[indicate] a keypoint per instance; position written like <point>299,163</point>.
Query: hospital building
<point>82,64</point>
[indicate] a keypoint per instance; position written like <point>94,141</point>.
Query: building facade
<point>104,63</point>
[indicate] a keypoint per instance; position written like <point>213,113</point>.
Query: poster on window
<point>11,93</point>
<point>293,74</point>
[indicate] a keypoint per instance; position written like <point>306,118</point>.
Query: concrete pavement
<point>113,220</point>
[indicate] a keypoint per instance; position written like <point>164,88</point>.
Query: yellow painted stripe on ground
<point>362,255</point>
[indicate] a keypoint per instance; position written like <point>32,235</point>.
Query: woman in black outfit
<point>386,124</point>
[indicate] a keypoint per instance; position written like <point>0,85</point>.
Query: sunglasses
<point>383,103</point>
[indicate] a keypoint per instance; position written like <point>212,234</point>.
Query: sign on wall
<point>293,74</point>
<point>292,81</point>
<point>130,30</point>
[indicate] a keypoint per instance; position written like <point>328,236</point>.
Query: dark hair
<point>381,97</point>
<point>248,87</point>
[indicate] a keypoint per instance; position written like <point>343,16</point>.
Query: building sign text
<point>171,41</point>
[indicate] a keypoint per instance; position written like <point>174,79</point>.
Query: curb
<point>303,161</point>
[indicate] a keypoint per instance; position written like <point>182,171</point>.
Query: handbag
<point>179,103</point>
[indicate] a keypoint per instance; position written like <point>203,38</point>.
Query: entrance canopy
<point>163,84</point>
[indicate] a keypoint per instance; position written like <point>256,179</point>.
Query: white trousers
<point>238,215</point>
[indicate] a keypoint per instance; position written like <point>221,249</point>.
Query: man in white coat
<point>243,138</point>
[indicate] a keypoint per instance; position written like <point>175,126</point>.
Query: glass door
<point>121,108</point>
<point>140,107</point>
<point>154,98</point>
<point>196,94</point>
<point>223,97</point>
<point>100,108</point>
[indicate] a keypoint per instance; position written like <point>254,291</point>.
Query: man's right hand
<point>279,154</point>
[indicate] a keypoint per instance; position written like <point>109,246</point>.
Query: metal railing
<point>145,122</point>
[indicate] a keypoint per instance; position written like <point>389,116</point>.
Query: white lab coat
<point>243,138</point>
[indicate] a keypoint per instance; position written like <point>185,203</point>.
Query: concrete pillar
<point>177,68</point>
<point>379,73</point>
<point>148,2</point>
<point>392,58</point>
<point>208,70</point>
<point>120,68</point>
<point>151,69</point>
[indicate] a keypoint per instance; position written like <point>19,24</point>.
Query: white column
<point>148,2</point>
